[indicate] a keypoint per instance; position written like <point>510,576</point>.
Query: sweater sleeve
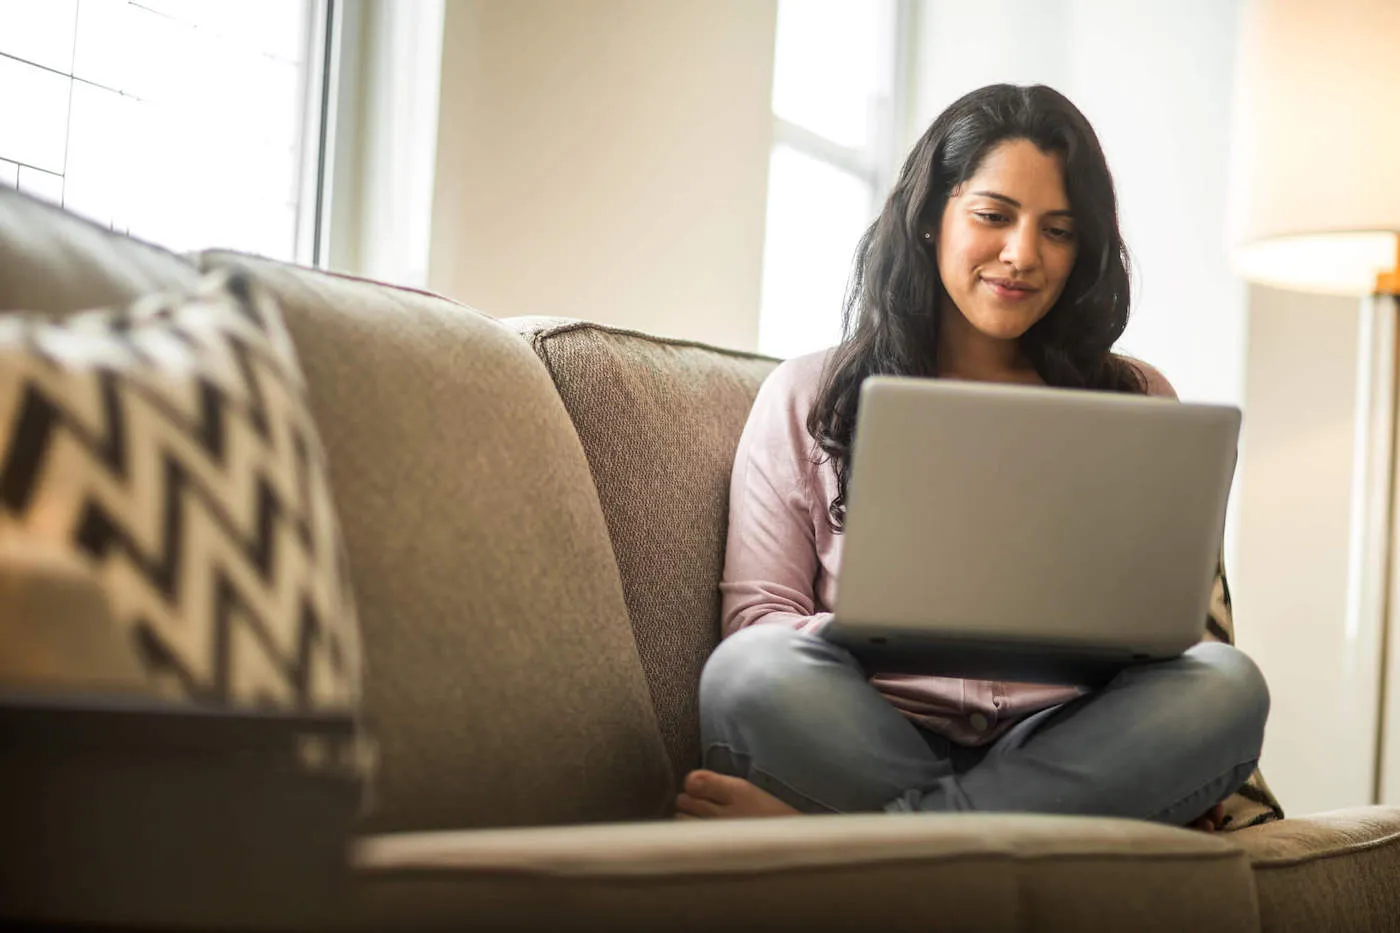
<point>1156,383</point>
<point>770,561</point>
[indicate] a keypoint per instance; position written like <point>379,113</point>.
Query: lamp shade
<point>1315,158</point>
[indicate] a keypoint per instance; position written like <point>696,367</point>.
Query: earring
<point>927,235</point>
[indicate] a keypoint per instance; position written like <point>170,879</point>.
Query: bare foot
<point>1212,821</point>
<point>708,795</point>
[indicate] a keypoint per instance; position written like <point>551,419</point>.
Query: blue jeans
<point>797,716</point>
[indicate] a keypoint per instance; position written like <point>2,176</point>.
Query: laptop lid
<point>1036,515</point>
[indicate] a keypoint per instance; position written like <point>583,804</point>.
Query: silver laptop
<point>1014,533</point>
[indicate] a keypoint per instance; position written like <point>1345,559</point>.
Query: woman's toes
<point>693,807</point>
<point>707,785</point>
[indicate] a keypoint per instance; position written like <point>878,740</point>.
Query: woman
<point>996,258</point>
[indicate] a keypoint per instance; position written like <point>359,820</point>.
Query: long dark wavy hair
<point>894,302</point>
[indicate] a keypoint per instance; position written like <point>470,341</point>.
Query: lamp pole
<point>1374,586</point>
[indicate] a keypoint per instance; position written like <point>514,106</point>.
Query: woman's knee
<point>1233,692</point>
<point>763,670</point>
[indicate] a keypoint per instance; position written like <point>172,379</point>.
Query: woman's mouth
<point>1010,289</point>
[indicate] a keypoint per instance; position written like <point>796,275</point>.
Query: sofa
<point>534,511</point>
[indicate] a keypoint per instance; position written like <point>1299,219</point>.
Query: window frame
<point>874,164</point>
<point>316,88</point>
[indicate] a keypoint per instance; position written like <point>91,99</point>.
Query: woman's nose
<point>1022,247</point>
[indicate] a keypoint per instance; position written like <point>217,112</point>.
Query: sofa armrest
<point>1336,833</point>
<point>134,813</point>
<point>1329,871</point>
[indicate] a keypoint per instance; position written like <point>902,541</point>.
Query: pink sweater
<point>782,559</point>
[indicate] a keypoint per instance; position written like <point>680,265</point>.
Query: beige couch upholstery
<point>534,511</point>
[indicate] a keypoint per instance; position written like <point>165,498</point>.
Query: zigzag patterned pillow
<point>170,447</point>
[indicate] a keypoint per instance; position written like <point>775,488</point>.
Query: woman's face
<point>1006,243</point>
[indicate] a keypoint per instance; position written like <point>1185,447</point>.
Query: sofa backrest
<point>502,681</point>
<point>659,420</point>
<point>55,263</point>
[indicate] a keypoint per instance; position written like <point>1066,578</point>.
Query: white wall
<point>606,160</point>
<point>1290,584</point>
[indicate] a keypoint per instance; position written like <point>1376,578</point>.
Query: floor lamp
<point>1315,206</point>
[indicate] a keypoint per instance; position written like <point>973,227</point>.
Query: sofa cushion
<point>55,262</point>
<point>949,872</point>
<point>501,680</point>
<point>1329,872</point>
<point>659,420</point>
<point>168,445</point>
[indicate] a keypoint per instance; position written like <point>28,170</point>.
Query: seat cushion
<point>1328,872</point>
<point>54,262</point>
<point>501,678</point>
<point>946,872</point>
<point>659,420</point>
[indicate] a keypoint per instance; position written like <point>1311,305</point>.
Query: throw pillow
<point>170,447</point>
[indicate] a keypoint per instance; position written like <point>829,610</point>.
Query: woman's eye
<point>991,217</point>
<point>1060,233</point>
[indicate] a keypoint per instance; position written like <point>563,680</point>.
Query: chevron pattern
<point>170,444</point>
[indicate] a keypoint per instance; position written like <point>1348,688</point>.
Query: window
<point>835,81</point>
<point>189,123</point>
